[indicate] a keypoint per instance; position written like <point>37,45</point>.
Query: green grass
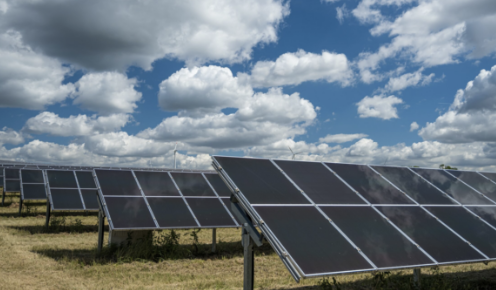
<point>65,257</point>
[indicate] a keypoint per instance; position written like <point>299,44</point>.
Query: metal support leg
<point>47,222</point>
<point>101,223</point>
<point>249,261</point>
<point>416,278</point>
<point>20,207</point>
<point>3,196</point>
<point>214,240</point>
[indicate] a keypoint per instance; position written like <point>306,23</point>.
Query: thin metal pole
<point>249,261</point>
<point>47,222</point>
<point>3,196</point>
<point>20,207</point>
<point>214,239</point>
<point>101,219</point>
<point>416,278</point>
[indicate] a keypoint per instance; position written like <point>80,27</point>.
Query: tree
<point>442,166</point>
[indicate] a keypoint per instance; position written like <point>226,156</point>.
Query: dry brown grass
<point>65,258</point>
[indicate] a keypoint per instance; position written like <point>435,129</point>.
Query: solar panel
<point>477,182</point>
<point>11,179</point>
<point>328,218</point>
<point>72,190</point>
<point>162,200</point>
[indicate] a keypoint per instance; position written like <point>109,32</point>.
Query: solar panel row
<point>328,218</point>
<point>164,200</point>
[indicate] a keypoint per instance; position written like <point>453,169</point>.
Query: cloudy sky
<point>400,82</point>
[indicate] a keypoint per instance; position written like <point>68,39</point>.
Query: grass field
<point>64,257</point>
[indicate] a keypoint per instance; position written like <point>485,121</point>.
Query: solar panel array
<point>164,200</point>
<point>11,180</point>
<point>72,190</point>
<point>328,218</point>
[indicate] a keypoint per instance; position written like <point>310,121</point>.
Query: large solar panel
<point>32,184</point>
<point>144,200</point>
<point>11,180</point>
<point>72,190</point>
<point>329,218</point>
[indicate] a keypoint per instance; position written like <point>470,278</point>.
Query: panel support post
<point>249,261</point>
<point>416,278</point>
<point>47,222</point>
<point>214,239</point>
<point>20,206</point>
<point>101,223</point>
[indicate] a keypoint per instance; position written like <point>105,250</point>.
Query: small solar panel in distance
<point>376,237</point>
<point>66,198</point>
<point>210,212</point>
<point>261,181</point>
<point>192,184</point>
<point>61,179</point>
<point>12,186</point>
<point>11,173</point>
<point>452,186</point>
<point>369,184</point>
<point>416,187</point>
<point>32,176</point>
<point>476,181</point>
<point>319,183</point>
<point>156,183</point>
<point>85,179</point>
<point>437,240</point>
<point>34,191</point>
<point>471,228</point>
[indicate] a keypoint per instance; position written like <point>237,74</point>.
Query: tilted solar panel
<point>328,218</point>
<point>71,190</point>
<point>12,180</point>
<point>144,200</point>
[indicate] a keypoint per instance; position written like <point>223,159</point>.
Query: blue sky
<point>364,81</point>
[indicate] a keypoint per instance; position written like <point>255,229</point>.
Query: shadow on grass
<point>41,229</point>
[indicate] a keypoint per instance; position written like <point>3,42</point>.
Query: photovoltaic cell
<point>482,236</point>
<point>416,187</point>
<point>369,184</point>
<point>129,212</point>
<point>90,199</point>
<point>443,245</point>
<point>156,183</point>
<point>171,212</point>
<point>210,212</point>
<point>34,191</point>
<point>12,186</point>
<point>314,244</point>
<point>192,184</point>
<point>490,175</point>
<point>11,173</point>
<point>85,179</point>
<point>452,186</point>
<point>487,213</point>
<point>218,184</point>
<point>376,237</point>
<point>113,182</point>
<point>66,199</point>
<point>32,176</point>
<point>62,179</point>
<point>320,184</point>
<point>260,181</point>
<point>477,181</point>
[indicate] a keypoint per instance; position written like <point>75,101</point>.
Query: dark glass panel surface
<point>416,187</point>
<point>12,173</point>
<point>171,212</point>
<point>432,236</point>
<point>113,182</point>
<point>471,228</point>
<point>32,176</point>
<point>490,175</point>
<point>66,199</point>
<point>369,184</point>
<point>376,237</point>
<point>12,186</point>
<point>192,184</point>
<point>210,212</point>
<point>218,184</point>
<point>452,186</point>
<point>487,213</point>
<point>156,183</point>
<point>315,245</point>
<point>85,179</point>
<point>260,181</point>
<point>34,191</point>
<point>320,184</point>
<point>227,202</point>
<point>129,212</point>
<point>477,181</point>
<point>90,199</point>
<point>63,179</point>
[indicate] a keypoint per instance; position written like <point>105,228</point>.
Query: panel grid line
<point>220,199</point>
<point>392,184</point>
<point>146,200</point>
<point>79,190</point>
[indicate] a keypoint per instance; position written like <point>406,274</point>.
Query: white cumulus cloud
<point>414,126</point>
<point>341,138</point>
<point>408,80</point>
<point>379,107</point>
